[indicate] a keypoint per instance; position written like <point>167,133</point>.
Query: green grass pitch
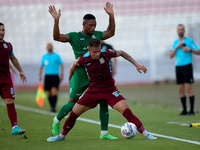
<point>157,106</point>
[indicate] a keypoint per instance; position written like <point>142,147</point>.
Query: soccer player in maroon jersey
<point>97,63</point>
<point>6,85</point>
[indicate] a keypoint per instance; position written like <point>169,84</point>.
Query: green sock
<point>65,109</point>
<point>104,115</point>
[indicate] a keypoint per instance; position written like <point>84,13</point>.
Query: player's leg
<point>189,79</point>
<point>47,88</point>
<point>54,91</point>
<point>8,95</point>
<point>78,109</point>
<point>122,107</point>
<point>77,87</point>
<point>181,89</point>
<point>104,118</point>
<point>189,89</point>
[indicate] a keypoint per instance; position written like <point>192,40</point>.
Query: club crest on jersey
<point>101,60</point>
<point>5,45</point>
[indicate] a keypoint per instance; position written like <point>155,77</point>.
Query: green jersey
<point>79,42</point>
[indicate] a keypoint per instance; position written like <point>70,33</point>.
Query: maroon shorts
<point>92,99</point>
<point>6,90</point>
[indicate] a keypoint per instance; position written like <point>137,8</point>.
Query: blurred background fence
<point>145,29</point>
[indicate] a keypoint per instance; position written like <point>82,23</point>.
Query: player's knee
<point>73,100</point>
<point>9,101</point>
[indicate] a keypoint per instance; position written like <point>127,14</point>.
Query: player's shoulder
<point>177,40</point>
<point>7,42</point>
<point>103,50</point>
<point>86,55</point>
<point>98,32</point>
<point>71,34</point>
<point>188,39</point>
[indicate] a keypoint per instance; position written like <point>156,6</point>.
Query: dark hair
<point>88,17</point>
<point>94,43</point>
<point>181,25</point>
<point>1,24</point>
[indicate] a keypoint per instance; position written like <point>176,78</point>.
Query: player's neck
<point>84,32</point>
<point>181,38</point>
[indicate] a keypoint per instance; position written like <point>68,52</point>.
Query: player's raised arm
<point>130,59</point>
<point>111,26</point>
<point>73,69</point>
<point>56,31</point>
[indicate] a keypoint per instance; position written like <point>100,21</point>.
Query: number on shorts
<point>116,93</point>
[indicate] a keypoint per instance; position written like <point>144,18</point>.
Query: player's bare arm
<point>61,72</point>
<point>15,62</point>
<point>111,26</point>
<point>130,59</point>
<point>56,31</point>
<point>40,73</point>
<point>195,51</point>
<point>73,69</point>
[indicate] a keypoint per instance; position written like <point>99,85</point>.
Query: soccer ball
<point>129,130</point>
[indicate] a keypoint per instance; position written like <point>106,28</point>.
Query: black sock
<point>54,101</point>
<point>50,100</point>
<point>191,103</point>
<point>183,101</point>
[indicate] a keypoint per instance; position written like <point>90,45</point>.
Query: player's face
<point>2,32</point>
<point>89,26</point>
<point>95,52</point>
<point>181,31</point>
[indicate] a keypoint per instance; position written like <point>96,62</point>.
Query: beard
<point>50,50</point>
<point>181,34</point>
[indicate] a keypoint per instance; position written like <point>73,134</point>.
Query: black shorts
<point>184,74</point>
<point>51,81</point>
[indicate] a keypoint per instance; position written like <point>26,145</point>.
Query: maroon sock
<point>132,118</point>
<point>12,114</point>
<point>69,123</point>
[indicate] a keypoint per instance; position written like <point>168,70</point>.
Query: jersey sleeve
<point>42,62</point>
<point>11,53</point>
<point>60,60</point>
<point>70,35</point>
<point>11,49</point>
<point>99,34</point>
<point>111,53</point>
<point>173,46</point>
<point>81,60</point>
<point>194,46</point>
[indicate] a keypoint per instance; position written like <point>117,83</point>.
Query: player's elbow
<point>55,38</point>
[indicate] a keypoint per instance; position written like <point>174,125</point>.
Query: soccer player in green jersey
<point>79,81</point>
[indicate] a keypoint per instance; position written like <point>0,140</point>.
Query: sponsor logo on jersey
<point>101,60</point>
<point>5,45</point>
<point>111,50</point>
<point>85,48</point>
<point>78,94</point>
<point>82,39</point>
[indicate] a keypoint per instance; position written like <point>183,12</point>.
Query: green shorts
<point>78,84</point>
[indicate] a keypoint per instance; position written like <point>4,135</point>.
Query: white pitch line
<point>97,122</point>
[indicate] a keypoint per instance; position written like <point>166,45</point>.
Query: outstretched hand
<point>54,13</point>
<point>109,8</point>
<point>141,67</point>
